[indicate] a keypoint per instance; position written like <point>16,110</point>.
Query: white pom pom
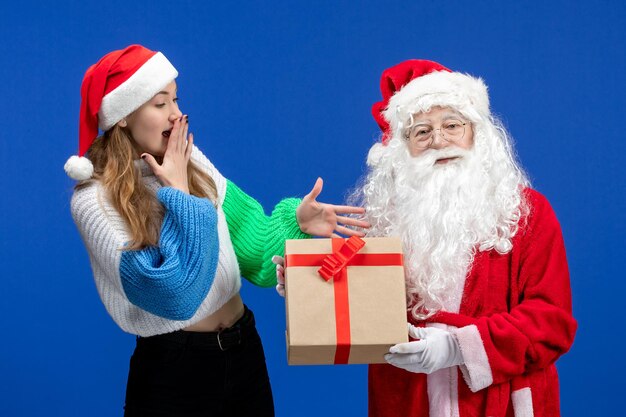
<point>503,246</point>
<point>375,154</point>
<point>79,168</point>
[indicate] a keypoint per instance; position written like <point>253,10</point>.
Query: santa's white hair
<point>443,213</point>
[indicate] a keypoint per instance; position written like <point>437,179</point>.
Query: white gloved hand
<point>436,349</point>
<point>280,274</point>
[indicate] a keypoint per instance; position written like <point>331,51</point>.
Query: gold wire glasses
<point>422,135</point>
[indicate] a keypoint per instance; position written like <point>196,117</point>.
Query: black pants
<point>200,374</point>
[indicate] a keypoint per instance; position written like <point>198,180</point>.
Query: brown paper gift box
<point>374,298</point>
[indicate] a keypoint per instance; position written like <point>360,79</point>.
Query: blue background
<point>279,93</point>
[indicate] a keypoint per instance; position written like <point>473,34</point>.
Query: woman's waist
<point>241,331</point>
<point>223,318</point>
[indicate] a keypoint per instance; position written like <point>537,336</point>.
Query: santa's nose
<point>438,141</point>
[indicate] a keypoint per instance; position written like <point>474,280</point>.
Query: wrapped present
<point>345,300</point>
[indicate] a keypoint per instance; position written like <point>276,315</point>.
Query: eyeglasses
<point>421,136</point>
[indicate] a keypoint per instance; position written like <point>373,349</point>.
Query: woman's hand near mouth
<point>173,171</point>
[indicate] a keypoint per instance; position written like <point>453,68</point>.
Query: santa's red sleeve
<point>540,328</point>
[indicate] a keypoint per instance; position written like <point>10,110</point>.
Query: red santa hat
<point>415,84</point>
<point>113,88</point>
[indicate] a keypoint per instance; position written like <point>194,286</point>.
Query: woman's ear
<point>122,123</point>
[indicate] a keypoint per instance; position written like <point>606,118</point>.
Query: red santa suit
<point>515,320</point>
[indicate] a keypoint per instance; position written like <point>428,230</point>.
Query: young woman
<point>168,239</point>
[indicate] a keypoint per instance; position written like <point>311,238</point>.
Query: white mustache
<point>450,152</point>
<point>426,161</point>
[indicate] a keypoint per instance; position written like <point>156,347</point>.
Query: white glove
<point>280,274</point>
<point>436,349</point>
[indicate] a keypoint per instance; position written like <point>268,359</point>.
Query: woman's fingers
<point>180,141</point>
<point>172,142</point>
<point>151,162</point>
<point>347,209</point>
<point>317,189</point>
<point>280,289</point>
<point>278,260</point>
<point>173,170</point>
<point>349,232</point>
<point>350,221</point>
<point>182,145</point>
<point>179,133</point>
<point>189,147</point>
<point>280,274</point>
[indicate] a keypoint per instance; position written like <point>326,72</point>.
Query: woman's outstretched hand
<point>173,171</point>
<point>321,219</point>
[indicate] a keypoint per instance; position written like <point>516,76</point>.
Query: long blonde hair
<point>112,155</point>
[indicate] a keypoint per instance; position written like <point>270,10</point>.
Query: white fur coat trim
<point>522,402</point>
<point>476,369</point>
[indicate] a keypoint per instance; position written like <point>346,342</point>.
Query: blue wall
<point>278,94</point>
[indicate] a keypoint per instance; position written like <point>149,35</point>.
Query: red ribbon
<point>334,266</point>
<point>340,257</point>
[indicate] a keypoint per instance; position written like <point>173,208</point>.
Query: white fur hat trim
<point>440,88</point>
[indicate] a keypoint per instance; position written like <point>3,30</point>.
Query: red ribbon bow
<point>336,261</point>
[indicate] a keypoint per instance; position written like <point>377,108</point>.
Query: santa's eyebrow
<point>445,116</point>
<point>451,115</point>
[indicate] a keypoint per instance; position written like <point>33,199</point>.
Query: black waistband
<point>222,340</point>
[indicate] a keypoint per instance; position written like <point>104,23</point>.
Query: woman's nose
<point>176,114</point>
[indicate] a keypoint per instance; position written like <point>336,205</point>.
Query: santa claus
<point>488,291</point>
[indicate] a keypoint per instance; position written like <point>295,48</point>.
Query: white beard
<point>435,209</point>
<point>443,214</point>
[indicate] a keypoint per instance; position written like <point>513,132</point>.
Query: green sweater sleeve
<point>257,237</point>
